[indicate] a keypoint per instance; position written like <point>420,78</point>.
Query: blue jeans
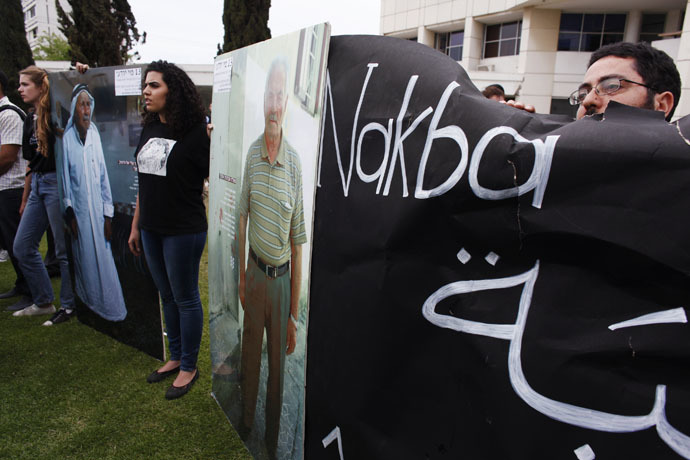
<point>174,264</point>
<point>43,209</point>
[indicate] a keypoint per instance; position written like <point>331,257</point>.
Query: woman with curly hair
<point>170,218</point>
<point>41,204</point>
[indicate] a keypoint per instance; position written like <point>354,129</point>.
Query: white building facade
<point>41,18</point>
<point>538,50</point>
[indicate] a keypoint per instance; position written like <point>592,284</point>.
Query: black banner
<point>488,283</point>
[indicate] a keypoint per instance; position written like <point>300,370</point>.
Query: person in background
<point>170,219</point>
<point>12,176</point>
<point>495,92</point>
<point>41,203</point>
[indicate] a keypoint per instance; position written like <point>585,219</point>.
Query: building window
<point>561,106</point>
<point>450,43</point>
<point>34,33</point>
<point>32,12</point>
<point>652,26</point>
<point>589,32</point>
<point>502,39</point>
<point>309,67</point>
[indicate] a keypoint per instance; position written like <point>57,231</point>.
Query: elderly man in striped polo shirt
<point>272,217</point>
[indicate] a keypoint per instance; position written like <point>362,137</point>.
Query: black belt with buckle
<point>270,271</point>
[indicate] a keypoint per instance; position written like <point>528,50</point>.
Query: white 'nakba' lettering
<point>394,137</point>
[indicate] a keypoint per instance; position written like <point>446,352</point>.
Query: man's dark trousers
<point>10,201</point>
<point>267,306</point>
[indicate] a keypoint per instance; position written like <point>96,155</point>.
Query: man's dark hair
<point>656,68</point>
<point>3,82</point>
<point>494,90</point>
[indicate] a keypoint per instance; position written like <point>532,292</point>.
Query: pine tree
<point>246,22</point>
<point>99,32</point>
<point>15,53</point>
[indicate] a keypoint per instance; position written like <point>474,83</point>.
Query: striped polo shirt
<point>272,198</point>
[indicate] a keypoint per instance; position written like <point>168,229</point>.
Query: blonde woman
<point>41,203</point>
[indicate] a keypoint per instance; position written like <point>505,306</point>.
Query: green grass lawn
<point>69,392</point>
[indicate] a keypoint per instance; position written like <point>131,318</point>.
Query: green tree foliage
<point>246,22</point>
<point>52,47</point>
<point>99,32</point>
<point>15,53</point>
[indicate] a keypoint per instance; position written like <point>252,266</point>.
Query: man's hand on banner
<point>520,105</point>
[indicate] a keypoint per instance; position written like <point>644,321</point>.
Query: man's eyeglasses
<point>608,86</point>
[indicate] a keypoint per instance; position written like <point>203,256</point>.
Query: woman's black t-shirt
<point>37,162</point>
<point>171,179</point>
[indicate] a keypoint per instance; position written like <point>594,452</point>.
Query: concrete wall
<point>569,69</point>
<point>537,57</point>
<point>404,16</point>
<point>683,64</point>
<point>408,15</point>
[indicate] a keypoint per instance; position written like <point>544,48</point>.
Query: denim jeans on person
<point>174,264</point>
<point>43,209</point>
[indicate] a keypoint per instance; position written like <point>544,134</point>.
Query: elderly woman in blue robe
<point>89,210</point>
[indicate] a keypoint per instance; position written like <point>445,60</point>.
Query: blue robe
<point>86,189</point>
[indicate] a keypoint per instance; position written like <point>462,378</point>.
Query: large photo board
<point>98,117</point>
<point>267,107</point>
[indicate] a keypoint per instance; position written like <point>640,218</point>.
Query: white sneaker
<point>35,310</point>
<point>4,256</point>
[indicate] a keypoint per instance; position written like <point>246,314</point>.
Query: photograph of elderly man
<point>272,218</point>
<point>267,115</point>
<point>88,210</point>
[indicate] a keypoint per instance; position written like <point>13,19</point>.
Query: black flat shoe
<point>156,376</point>
<point>177,392</point>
